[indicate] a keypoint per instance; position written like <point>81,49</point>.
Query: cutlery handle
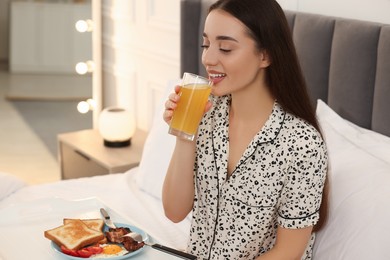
<point>104,213</point>
<point>174,252</point>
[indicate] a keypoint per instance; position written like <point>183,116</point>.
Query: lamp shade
<point>116,126</point>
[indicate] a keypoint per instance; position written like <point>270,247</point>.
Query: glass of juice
<point>194,93</point>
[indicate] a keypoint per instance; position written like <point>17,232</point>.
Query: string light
<point>82,68</point>
<point>85,106</point>
<point>85,67</point>
<point>84,26</point>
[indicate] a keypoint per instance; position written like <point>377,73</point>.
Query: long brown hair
<point>268,26</point>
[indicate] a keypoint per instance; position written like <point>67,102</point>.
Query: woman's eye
<point>225,50</point>
<point>205,46</point>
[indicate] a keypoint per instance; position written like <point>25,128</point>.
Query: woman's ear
<point>265,59</point>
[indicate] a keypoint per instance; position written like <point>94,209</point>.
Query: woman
<point>254,177</point>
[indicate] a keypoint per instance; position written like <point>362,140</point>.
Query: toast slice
<point>96,224</point>
<point>74,235</point>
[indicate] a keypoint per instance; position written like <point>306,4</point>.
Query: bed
<point>347,66</point>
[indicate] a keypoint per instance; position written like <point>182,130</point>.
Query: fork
<point>138,237</point>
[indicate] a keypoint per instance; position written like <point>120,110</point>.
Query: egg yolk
<point>111,249</point>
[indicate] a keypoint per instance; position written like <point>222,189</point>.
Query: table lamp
<point>116,126</point>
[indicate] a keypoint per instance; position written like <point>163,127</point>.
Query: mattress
<point>29,211</point>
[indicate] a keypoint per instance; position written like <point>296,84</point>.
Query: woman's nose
<point>209,57</point>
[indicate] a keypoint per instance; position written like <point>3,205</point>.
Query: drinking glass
<point>194,93</point>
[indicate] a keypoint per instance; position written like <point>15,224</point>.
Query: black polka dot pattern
<point>277,182</point>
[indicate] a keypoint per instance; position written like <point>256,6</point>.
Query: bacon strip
<point>116,235</point>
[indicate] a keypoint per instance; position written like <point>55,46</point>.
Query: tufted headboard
<point>346,62</point>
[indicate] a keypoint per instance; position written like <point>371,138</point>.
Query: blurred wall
<point>141,54</point>
<point>4,24</point>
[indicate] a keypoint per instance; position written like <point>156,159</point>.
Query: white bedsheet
<point>117,191</point>
<point>358,174</point>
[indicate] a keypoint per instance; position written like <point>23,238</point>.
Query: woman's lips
<point>216,77</point>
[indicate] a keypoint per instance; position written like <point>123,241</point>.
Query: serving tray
<point>22,226</point>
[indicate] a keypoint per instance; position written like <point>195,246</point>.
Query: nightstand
<point>83,154</point>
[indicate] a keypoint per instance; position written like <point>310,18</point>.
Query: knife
<point>165,249</point>
<point>107,219</point>
<point>172,251</point>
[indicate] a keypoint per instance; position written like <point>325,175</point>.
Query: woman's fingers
<point>177,89</point>
<point>168,112</point>
<point>167,116</point>
<point>171,105</point>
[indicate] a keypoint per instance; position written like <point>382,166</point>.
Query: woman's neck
<point>248,106</point>
<point>249,111</point>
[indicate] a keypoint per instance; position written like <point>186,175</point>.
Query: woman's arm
<point>178,187</point>
<point>290,244</point>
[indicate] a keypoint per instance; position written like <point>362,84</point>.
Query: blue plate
<point>132,228</point>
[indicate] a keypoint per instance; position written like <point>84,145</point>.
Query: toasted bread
<point>74,235</point>
<point>96,224</point>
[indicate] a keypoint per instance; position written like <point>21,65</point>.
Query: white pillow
<point>370,141</point>
<point>157,151</point>
<point>359,192</point>
<point>9,184</point>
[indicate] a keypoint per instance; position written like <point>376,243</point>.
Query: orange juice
<point>190,109</point>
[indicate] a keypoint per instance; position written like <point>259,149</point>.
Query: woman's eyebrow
<point>222,38</point>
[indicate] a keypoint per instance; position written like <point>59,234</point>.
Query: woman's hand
<point>171,104</point>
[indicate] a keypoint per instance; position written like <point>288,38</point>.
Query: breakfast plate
<point>34,216</point>
<point>117,256</point>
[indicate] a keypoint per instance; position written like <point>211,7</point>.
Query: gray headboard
<point>346,62</point>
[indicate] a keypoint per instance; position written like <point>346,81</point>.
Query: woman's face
<point>230,55</point>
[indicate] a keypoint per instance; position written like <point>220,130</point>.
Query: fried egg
<point>111,250</point>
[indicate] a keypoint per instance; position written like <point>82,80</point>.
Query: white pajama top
<point>277,182</point>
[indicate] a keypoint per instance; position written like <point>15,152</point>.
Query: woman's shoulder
<point>301,134</point>
<point>293,124</point>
